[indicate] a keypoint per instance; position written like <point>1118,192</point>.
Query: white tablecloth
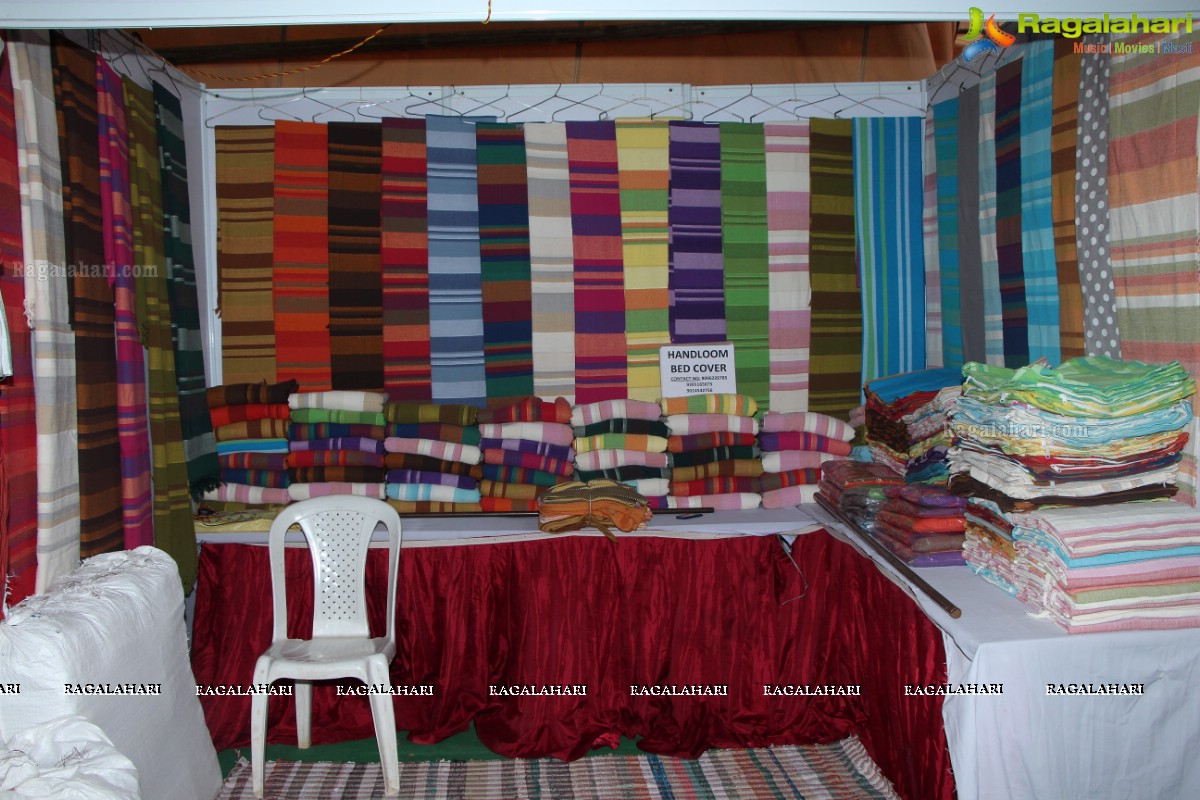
<point>1028,744</point>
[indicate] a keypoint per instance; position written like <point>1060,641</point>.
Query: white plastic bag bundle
<point>66,758</point>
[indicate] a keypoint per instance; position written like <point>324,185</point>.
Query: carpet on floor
<point>838,771</point>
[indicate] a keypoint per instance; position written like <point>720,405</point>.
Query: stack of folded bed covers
<point>432,457</point>
<point>923,525</point>
<point>526,450</point>
<point>714,454</point>
<point>1094,430</point>
<point>336,444</point>
<point>858,488</point>
<point>250,424</point>
<point>906,419</point>
<point>624,441</point>
<point>1125,566</point>
<point>793,446</point>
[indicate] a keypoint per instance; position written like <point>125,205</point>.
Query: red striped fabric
<point>301,272</point>
<point>404,254</point>
<point>600,358</point>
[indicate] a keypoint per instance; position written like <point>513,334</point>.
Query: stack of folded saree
<point>989,547</point>
<point>906,418</point>
<point>526,450</point>
<point>1094,430</point>
<point>250,424</point>
<point>601,504</point>
<point>1124,566</point>
<point>624,441</point>
<point>714,452</point>
<point>432,457</point>
<point>793,445</point>
<point>922,525</point>
<point>336,444</point>
<point>846,484</point>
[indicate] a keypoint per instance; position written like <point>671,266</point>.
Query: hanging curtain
<point>174,529</point>
<point>600,368</point>
<point>504,262</point>
<point>945,122</point>
<point>644,175</point>
<point>300,279</point>
<point>18,410</point>
<point>1008,215</point>
<point>118,255</point>
<point>934,345</point>
<point>970,257</point>
<point>46,301</point>
<point>404,257</point>
<point>245,171</point>
<point>551,254</point>
<point>355,276</point>
<point>1063,164</point>
<point>694,214</point>
<point>993,314</point>
<point>789,314</point>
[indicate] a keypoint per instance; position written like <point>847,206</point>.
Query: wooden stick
<point>904,569</point>
<point>486,514</point>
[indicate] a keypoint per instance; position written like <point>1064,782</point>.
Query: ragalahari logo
<point>997,39</point>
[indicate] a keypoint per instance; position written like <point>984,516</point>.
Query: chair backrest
<point>338,529</point>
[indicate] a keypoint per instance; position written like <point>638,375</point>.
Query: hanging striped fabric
<point>644,174</point>
<point>945,122</point>
<point>355,277</point>
<point>599,283</point>
<point>173,525</point>
<point>245,168</point>
<point>18,410</point>
<point>970,260</point>
<point>694,216</point>
<point>836,381</point>
<point>1008,214</point>
<point>138,520</point>
<point>551,254</point>
<point>504,262</point>
<point>404,254</point>
<point>46,301</point>
<point>993,318</point>
<point>455,289</point>
<point>101,525</point>
<point>301,275</point>
<point>1101,333</point>
<point>934,356</point>
<point>198,444</point>
<point>1037,220</point>
<point>745,254</point>
<point>1155,205</point>
<point>1062,189</point>
<point>790,312</point>
<point>888,194</point>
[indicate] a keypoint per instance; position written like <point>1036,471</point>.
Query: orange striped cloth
<point>227,415</point>
<point>601,504</point>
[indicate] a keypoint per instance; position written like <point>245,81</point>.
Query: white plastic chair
<point>338,529</point>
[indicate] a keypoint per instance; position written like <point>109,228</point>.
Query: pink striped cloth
<point>254,495</point>
<point>339,400</point>
<point>434,448</point>
<point>789,313</point>
<point>305,491</point>
<point>789,496</point>
<point>611,459</point>
<point>735,501</point>
<point>614,409</point>
<point>360,443</point>
<point>685,424</point>
<point>548,432</point>
<point>807,422</point>
<point>788,460</point>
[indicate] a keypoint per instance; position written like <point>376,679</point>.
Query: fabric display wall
<point>561,256</point>
<point>102,317</point>
<point>1060,209</point>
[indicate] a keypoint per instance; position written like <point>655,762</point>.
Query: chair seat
<point>330,656</point>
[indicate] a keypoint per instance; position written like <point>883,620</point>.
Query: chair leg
<point>258,732</point>
<point>384,716</point>
<point>303,693</point>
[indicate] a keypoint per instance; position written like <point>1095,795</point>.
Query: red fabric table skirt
<point>582,610</point>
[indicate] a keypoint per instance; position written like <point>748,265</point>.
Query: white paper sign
<point>696,369</point>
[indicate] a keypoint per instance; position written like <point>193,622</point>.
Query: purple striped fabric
<point>790,440</point>
<point>132,422</point>
<point>697,278</point>
<point>338,443</point>
<point>809,422</point>
<point>601,371</point>
<point>449,451</point>
<point>549,432</point>
<point>789,312</point>
<point>433,478</point>
<point>559,451</point>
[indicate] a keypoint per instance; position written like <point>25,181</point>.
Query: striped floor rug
<point>838,771</point>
